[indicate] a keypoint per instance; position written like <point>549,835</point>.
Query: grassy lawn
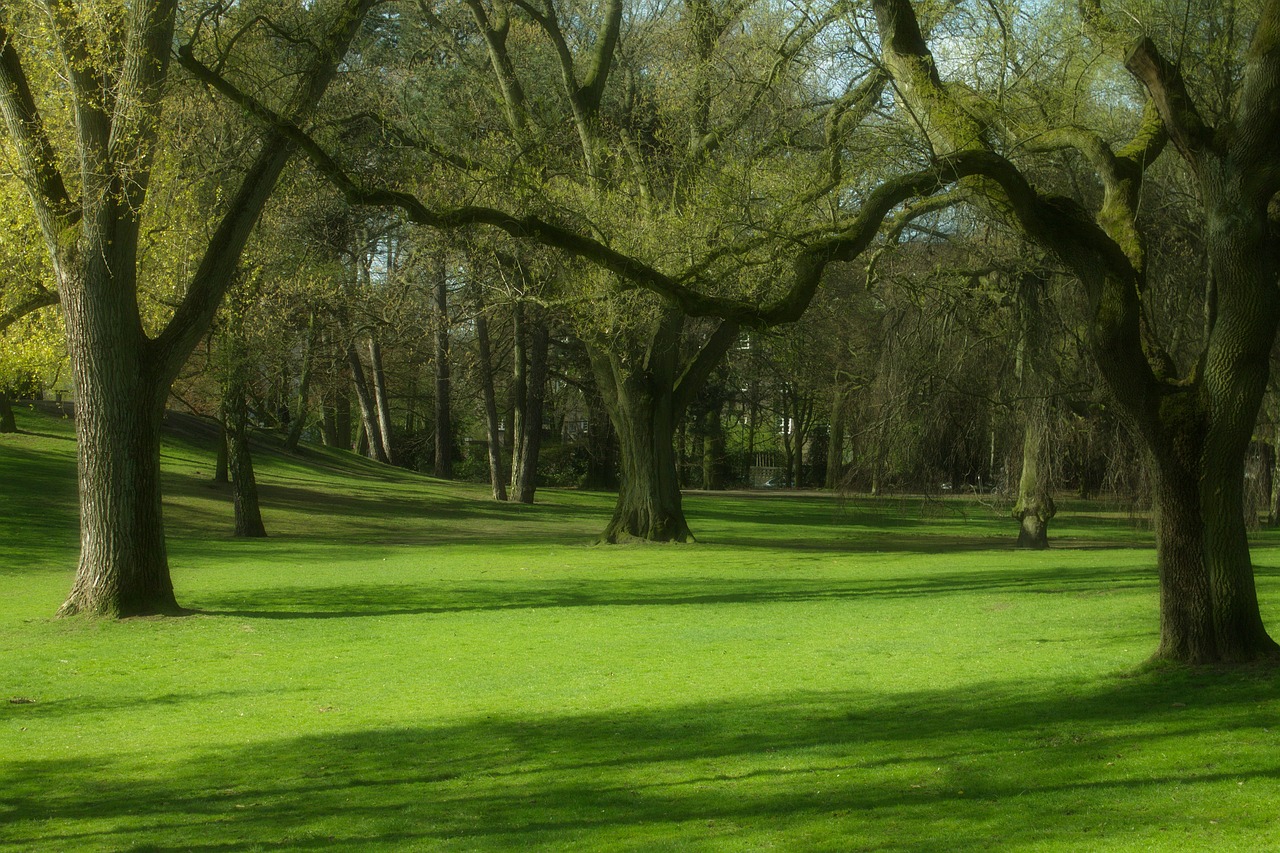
<point>406,665</point>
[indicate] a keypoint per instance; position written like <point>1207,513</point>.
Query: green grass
<point>406,665</point>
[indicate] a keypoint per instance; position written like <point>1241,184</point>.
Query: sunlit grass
<point>406,665</point>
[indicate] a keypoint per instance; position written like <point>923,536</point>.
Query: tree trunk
<point>444,420</point>
<point>519,387</point>
<point>649,503</point>
<point>835,442</point>
<point>497,478</point>
<point>368,409</point>
<point>602,443</point>
<point>382,401</point>
<point>8,423</point>
<point>329,427</point>
<point>124,565</point>
<point>528,438</point>
<point>244,486</point>
<point>301,405</point>
<point>713,452</point>
<point>1035,507</point>
<point>646,394</point>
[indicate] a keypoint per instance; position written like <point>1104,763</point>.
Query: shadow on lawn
<point>991,766</point>
<point>365,600</point>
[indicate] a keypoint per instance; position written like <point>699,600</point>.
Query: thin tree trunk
<point>529,437</point>
<point>519,388</point>
<point>329,426</point>
<point>244,485</point>
<point>497,478</point>
<point>713,450</point>
<point>1035,507</point>
<point>8,423</point>
<point>368,411</point>
<point>444,419</point>
<point>302,403</point>
<point>835,442</point>
<point>378,379</point>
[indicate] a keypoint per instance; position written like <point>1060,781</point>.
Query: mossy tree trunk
<point>1034,508</point>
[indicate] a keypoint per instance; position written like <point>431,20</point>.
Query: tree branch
<point>36,153</point>
<point>1187,130</point>
<point>42,298</point>
<point>698,370</point>
<point>222,256</point>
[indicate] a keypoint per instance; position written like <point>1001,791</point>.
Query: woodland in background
<point>987,247</point>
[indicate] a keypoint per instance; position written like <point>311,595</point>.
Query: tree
<point>110,63</point>
<point>1196,421</point>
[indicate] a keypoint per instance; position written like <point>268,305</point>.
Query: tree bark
<point>444,418</point>
<point>835,442</point>
<point>124,567</point>
<point>382,401</point>
<point>497,478</point>
<point>302,401</point>
<point>368,408</point>
<point>244,485</point>
<point>8,423</point>
<point>1034,507</point>
<point>713,449</point>
<point>533,342</point>
<point>646,394</point>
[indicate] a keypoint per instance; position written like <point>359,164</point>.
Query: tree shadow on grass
<point>369,600</point>
<point>997,765</point>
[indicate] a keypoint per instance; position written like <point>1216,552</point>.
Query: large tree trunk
<point>444,418</point>
<point>1034,507</point>
<point>497,478</point>
<point>532,341</point>
<point>646,393</point>
<point>649,503</point>
<point>124,566</point>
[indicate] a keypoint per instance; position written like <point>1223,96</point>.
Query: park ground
<point>406,665</point>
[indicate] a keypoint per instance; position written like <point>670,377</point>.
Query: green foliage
<point>408,665</point>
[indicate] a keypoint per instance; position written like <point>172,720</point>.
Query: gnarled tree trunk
<point>646,393</point>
